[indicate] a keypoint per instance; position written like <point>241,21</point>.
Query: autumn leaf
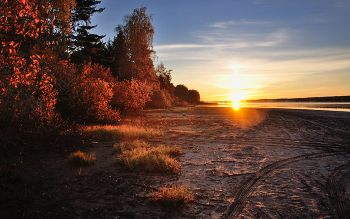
<point>23,1</point>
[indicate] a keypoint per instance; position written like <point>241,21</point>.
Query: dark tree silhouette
<point>86,47</point>
<point>193,96</point>
<point>121,63</point>
<point>164,79</point>
<point>181,92</point>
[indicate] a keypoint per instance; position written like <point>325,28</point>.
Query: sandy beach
<point>246,163</point>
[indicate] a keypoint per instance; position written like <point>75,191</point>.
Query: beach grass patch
<point>79,158</point>
<point>123,132</point>
<point>173,195</point>
<point>130,145</point>
<point>154,159</point>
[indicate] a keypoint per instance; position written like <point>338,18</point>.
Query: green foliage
<point>173,195</point>
<point>79,158</point>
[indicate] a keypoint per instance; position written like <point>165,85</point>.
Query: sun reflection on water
<point>236,105</point>
<point>236,98</point>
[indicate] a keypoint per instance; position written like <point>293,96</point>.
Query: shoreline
<point>298,106</point>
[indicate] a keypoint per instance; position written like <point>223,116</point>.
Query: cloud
<point>179,46</point>
<point>258,57</point>
<point>257,71</point>
<point>217,44</point>
<point>242,22</point>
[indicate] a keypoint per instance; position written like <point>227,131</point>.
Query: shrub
<point>27,95</point>
<point>177,103</point>
<point>181,92</point>
<point>173,195</point>
<point>131,94</point>
<point>160,99</point>
<point>86,97</point>
<point>193,96</point>
<point>81,159</point>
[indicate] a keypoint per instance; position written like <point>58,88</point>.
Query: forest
<point>55,73</point>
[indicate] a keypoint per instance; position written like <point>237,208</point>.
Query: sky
<point>251,49</point>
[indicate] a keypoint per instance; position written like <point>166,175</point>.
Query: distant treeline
<point>307,99</point>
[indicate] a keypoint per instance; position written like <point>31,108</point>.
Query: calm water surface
<point>302,105</point>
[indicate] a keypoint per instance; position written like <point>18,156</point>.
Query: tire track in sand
<point>336,192</point>
<point>248,186</point>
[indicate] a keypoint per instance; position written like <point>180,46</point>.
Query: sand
<point>246,163</point>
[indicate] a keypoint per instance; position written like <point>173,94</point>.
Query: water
<point>334,106</point>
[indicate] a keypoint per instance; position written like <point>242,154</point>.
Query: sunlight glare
<point>236,105</point>
<point>236,98</point>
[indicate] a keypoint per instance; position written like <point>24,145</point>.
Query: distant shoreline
<point>339,99</point>
<point>207,103</point>
<point>327,106</point>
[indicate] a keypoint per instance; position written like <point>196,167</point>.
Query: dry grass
<point>153,159</point>
<point>130,145</point>
<point>79,158</point>
<point>173,195</point>
<point>120,132</point>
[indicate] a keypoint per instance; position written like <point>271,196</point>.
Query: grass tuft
<point>130,145</point>
<point>120,132</point>
<point>153,159</point>
<point>79,158</point>
<point>173,195</point>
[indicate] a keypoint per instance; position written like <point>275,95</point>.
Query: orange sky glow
<point>256,49</point>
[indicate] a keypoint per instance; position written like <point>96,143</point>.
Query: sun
<point>236,98</point>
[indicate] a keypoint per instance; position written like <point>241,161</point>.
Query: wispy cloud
<point>180,46</point>
<point>241,22</point>
<point>244,56</point>
<point>217,43</point>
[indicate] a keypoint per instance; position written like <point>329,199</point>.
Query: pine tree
<point>86,46</point>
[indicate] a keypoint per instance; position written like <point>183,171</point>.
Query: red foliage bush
<point>27,94</point>
<point>160,99</point>
<point>132,94</point>
<point>86,97</point>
